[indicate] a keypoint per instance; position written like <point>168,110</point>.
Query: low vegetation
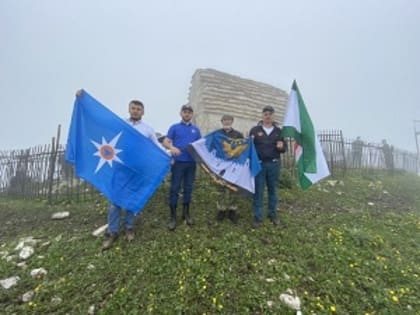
<point>348,246</point>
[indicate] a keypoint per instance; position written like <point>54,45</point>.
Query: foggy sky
<point>356,62</point>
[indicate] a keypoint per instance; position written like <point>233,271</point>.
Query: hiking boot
<point>256,224</point>
<point>275,220</point>
<point>129,235</point>
<point>109,240</point>
<point>189,220</point>
<point>233,216</point>
<point>172,225</point>
<point>220,215</point>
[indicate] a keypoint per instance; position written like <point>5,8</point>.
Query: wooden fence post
<point>53,158</point>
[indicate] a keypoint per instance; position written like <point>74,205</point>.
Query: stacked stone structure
<point>214,93</point>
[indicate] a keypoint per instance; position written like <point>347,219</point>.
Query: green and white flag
<point>310,160</point>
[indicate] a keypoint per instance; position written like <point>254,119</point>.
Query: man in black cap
<point>269,143</point>
<point>226,205</point>
<point>179,136</point>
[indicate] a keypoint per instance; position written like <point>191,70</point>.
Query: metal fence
<point>42,172</point>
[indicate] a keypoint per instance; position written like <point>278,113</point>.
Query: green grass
<point>340,254</point>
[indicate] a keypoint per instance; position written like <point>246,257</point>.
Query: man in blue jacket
<point>179,136</point>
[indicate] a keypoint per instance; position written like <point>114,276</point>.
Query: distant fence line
<point>42,172</point>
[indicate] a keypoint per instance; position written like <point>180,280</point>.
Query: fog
<point>356,62</point>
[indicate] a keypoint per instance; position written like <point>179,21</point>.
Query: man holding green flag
<point>269,144</point>
<point>310,160</point>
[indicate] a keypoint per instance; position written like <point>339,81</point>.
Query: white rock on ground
<point>45,244</point>
<point>26,241</point>
<point>99,231</point>
<point>332,183</point>
<point>9,282</point>
<point>22,264</point>
<point>38,272</point>
<point>56,300</point>
<point>290,300</point>
<point>28,296</point>
<point>26,252</point>
<point>91,310</point>
<point>60,215</point>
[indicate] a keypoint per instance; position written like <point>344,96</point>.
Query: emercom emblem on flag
<point>310,159</point>
<point>107,152</point>
<point>113,156</point>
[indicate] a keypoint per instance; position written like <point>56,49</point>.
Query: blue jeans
<point>270,175</point>
<point>114,218</point>
<point>182,173</point>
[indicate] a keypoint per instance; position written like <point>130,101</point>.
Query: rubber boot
<point>186,214</point>
<point>172,222</point>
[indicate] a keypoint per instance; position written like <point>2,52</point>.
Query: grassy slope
<point>338,253</point>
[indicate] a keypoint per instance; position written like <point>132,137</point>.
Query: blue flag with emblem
<point>118,160</point>
<point>234,161</point>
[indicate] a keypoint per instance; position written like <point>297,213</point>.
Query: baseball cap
<point>187,107</point>
<point>227,117</point>
<point>268,108</point>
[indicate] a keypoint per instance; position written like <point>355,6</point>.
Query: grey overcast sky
<point>357,62</point>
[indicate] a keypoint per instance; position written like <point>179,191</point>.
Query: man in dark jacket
<point>269,143</point>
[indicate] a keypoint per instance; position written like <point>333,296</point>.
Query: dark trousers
<point>183,173</point>
<point>270,175</point>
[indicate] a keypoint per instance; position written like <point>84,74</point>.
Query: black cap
<point>187,107</point>
<point>268,108</point>
<point>227,117</point>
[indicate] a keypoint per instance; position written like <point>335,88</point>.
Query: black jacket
<point>266,144</point>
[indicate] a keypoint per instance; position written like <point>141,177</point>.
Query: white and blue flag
<point>232,160</point>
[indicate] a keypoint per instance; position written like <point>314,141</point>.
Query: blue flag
<point>234,161</point>
<point>114,157</point>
